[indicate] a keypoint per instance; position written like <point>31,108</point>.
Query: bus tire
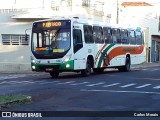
<point>87,71</point>
<point>54,74</point>
<point>126,67</point>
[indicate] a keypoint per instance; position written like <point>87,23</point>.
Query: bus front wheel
<point>54,74</point>
<point>87,71</point>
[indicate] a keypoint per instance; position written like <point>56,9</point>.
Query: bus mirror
<point>26,37</point>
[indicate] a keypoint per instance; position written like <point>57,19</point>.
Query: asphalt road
<point>137,90</point>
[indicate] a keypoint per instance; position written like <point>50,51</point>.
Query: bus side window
<point>114,36</point>
<point>139,39</point>
<point>98,34</point>
<point>118,36</point>
<point>107,35</point>
<point>132,38</point>
<point>95,34</point>
<point>101,40</point>
<point>88,36</point>
<point>77,40</point>
<point>124,36</point>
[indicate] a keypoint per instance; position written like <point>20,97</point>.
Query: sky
<point>6,4</point>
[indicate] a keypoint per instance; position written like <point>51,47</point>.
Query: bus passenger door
<point>78,45</point>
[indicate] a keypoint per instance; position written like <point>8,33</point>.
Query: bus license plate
<point>49,69</point>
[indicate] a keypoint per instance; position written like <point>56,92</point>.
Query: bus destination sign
<point>52,24</point>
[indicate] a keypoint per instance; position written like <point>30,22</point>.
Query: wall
<point>13,57</point>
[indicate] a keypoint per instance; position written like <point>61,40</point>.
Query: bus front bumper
<point>65,66</point>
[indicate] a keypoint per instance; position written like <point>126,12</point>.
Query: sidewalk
<point>145,65</point>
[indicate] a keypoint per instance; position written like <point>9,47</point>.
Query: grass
<point>14,100</point>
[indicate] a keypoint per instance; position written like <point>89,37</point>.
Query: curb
<point>147,65</point>
<point>9,104</point>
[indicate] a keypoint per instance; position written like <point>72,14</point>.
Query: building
<point>148,16</point>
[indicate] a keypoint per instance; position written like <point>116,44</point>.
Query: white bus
<point>60,45</point>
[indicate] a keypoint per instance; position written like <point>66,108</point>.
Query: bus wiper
<point>56,33</point>
<point>54,42</point>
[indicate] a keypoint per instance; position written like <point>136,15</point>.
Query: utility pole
<point>117,16</point>
<point>42,4</point>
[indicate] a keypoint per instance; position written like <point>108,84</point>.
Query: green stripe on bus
<point>102,56</point>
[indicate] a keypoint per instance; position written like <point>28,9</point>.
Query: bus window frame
<point>131,37</point>
<point>88,33</point>
<point>98,35</point>
<point>124,36</point>
<point>107,36</point>
<point>139,41</point>
<point>116,35</point>
<point>79,45</point>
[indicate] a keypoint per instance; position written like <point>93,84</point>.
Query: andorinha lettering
<point>128,49</point>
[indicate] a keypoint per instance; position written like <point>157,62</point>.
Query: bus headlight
<point>33,61</point>
<point>67,58</point>
<point>34,67</point>
<point>67,65</point>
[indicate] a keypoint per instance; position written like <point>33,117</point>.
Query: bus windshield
<point>51,39</point>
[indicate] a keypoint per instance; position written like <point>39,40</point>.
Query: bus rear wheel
<point>54,74</point>
<point>126,67</point>
<point>87,71</point>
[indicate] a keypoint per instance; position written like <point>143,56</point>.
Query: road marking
<point>142,86</point>
<point>111,85</point>
<point>45,82</point>
<point>5,77</point>
<point>79,83</point>
<point>28,82</point>
<point>66,82</point>
<point>128,85</point>
<point>144,69</point>
<point>100,83</point>
<point>17,82</point>
<point>3,82</point>
<point>12,76</point>
<point>157,87</point>
<point>154,70</point>
<point>115,91</point>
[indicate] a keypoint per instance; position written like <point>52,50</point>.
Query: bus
<point>79,45</point>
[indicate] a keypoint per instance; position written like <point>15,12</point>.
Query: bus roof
<point>93,22</point>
